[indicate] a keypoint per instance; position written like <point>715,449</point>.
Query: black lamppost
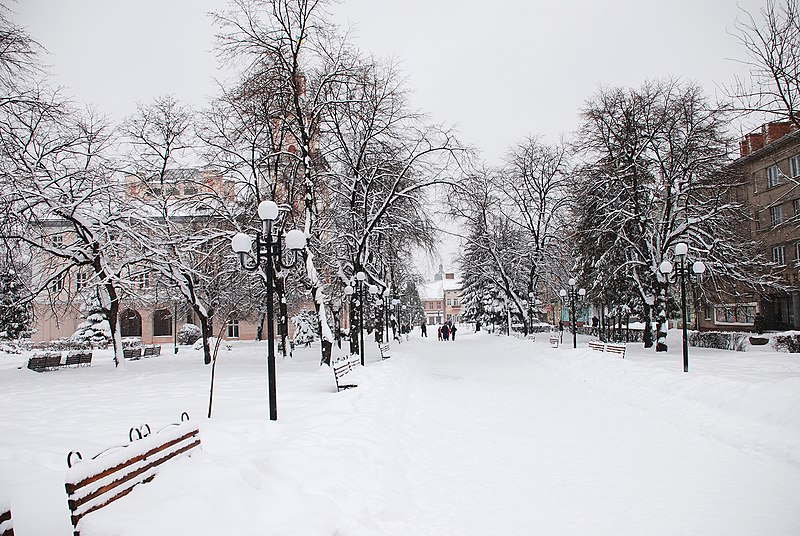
<point>683,271</point>
<point>574,294</point>
<point>268,250</point>
<point>374,291</point>
<point>387,297</point>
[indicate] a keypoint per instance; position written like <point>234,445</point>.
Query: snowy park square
<point>485,435</point>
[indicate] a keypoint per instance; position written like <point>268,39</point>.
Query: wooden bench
<point>610,347</point>
<point>6,523</point>
<point>112,474</point>
<point>44,361</point>
<point>618,349</point>
<point>341,367</point>
<point>152,351</point>
<point>553,340</point>
<point>79,358</point>
<point>385,350</point>
<point>597,346</point>
<point>132,353</point>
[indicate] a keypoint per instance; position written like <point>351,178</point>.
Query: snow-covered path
<point>482,436</point>
<point>502,443</point>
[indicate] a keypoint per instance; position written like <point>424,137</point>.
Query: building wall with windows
<point>770,162</point>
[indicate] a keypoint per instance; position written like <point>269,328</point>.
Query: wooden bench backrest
<point>342,367</point>
<point>93,484</point>
<point>385,350</point>
<point>616,349</point>
<point>6,524</point>
<point>152,351</point>
<point>597,346</point>
<point>132,353</point>
<point>37,362</point>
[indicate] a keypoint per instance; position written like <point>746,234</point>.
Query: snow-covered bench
<point>131,353</point>
<point>78,358</point>
<point>112,474</point>
<point>385,350</point>
<point>340,369</point>
<point>597,346</point>
<point>6,523</point>
<point>553,340</point>
<point>610,347</point>
<point>151,351</point>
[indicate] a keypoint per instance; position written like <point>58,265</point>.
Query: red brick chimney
<point>775,130</point>
<point>751,143</point>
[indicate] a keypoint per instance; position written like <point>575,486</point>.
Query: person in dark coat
<point>446,332</point>
<point>453,331</point>
<point>440,332</point>
<point>423,329</point>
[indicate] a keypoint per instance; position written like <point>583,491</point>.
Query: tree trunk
<point>648,326</point>
<point>661,322</point>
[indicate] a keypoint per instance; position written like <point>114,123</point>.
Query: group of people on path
<point>446,331</point>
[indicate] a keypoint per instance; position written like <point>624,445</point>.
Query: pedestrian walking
<point>453,331</point>
<point>423,329</point>
<point>446,332</point>
<point>440,333</point>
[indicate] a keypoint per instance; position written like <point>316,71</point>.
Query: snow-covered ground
<point>485,435</point>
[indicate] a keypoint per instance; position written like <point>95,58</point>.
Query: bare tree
<point>772,45</point>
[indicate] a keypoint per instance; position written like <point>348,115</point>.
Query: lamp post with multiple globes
<point>266,251</point>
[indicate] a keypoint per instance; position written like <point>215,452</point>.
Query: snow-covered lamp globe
<point>295,240</point>
<point>681,248</point>
<point>267,210</point>
<point>562,293</point>
<point>581,292</point>
<point>348,290</point>
<point>241,244</point>
<point>665,267</point>
<point>373,289</point>
<point>699,267</point>
<point>361,276</point>
<point>571,282</point>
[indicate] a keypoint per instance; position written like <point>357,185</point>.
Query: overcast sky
<point>500,70</point>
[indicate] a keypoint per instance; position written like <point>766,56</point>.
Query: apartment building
<point>770,162</point>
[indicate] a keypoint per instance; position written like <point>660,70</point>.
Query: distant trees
<point>515,220</point>
<point>772,45</point>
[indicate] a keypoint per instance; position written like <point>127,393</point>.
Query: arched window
<point>162,322</point>
<point>130,323</point>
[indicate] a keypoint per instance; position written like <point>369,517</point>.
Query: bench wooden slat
<point>83,498</point>
<point>6,525</point>
<point>74,504</point>
<point>385,350</point>
<point>597,346</point>
<point>553,340</point>
<point>342,367</point>
<point>132,353</point>
<point>616,349</point>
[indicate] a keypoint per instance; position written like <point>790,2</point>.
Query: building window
<point>56,240</point>
<point>130,323</point>
<point>796,206</point>
<point>142,280</point>
<point>57,285</point>
<point>794,166</point>
<point>779,255</point>
<point>739,313</point>
<point>80,280</point>
<point>189,190</point>
<point>449,302</point>
<point>773,176</point>
<point>776,215</point>
<point>233,328</point>
<point>757,220</point>
<point>162,323</point>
